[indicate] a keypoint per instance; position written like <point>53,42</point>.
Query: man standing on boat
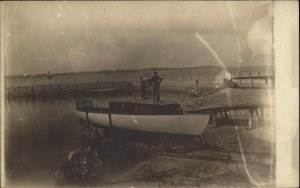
<point>156,81</point>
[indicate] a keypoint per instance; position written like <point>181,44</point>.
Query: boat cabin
<point>144,108</point>
<point>132,107</point>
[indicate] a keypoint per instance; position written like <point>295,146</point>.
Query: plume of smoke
<point>260,37</point>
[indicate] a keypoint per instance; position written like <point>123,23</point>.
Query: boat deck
<point>132,107</point>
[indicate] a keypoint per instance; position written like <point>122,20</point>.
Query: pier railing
<point>248,75</point>
<point>85,103</point>
<point>76,88</point>
<point>202,78</point>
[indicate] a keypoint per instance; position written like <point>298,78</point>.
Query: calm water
<point>184,76</point>
<point>40,135</point>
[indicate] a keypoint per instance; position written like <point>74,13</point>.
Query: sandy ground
<point>160,171</point>
<point>169,171</point>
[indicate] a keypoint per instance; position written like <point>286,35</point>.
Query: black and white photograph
<point>149,94</point>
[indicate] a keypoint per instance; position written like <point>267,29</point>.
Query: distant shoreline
<point>128,70</point>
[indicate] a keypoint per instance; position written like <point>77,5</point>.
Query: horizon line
<point>124,70</point>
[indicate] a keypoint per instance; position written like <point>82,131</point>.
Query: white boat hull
<point>189,124</point>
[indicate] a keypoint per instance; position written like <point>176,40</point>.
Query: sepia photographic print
<point>149,94</point>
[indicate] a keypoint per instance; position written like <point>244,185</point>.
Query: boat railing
<point>89,106</point>
<point>85,104</point>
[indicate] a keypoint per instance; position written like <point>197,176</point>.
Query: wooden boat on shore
<point>144,116</point>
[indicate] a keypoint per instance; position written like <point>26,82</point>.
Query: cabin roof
<point>139,101</point>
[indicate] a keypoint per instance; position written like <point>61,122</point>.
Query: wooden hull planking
<point>187,124</point>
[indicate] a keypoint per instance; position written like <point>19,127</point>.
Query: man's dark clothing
<point>144,93</point>
<point>156,80</point>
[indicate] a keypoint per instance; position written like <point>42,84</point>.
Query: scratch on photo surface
<point>59,8</point>
<point>250,177</point>
<point>85,25</point>
<point>235,30</point>
<point>103,14</point>
<point>86,29</point>
<point>134,120</point>
<point>216,56</point>
<point>60,5</point>
<point>2,106</point>
<point>271,117</point>
<point>206,44</point>
<point>212,51</point>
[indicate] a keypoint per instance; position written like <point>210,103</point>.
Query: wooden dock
<point>74,88</point>
<point>251,75</point>
<point>212,76</point>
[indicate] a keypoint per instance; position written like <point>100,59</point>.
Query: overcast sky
<point>83,36</point>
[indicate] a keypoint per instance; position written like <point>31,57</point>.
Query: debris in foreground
<point>83,165</point>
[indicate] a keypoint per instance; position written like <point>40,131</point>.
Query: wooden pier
<point>251,75</point>
<point>235,75</point>
<point>67,88</point>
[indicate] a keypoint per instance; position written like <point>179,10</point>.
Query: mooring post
<point>77,91</point>
<point>197,86</point>
<point>52,95</point>
<point>44,97</point>
<point>214,118</point>
<point>19,95</point>
<point>251,78</point>
<point>250,122</point>
<point>96,132</point>
<point>110,125</point>
<point>204,139</point>
<point>221,114</point>
<point>258,116</point>
<point>82,123</point>
<point>26,94</point>
<point>226,115</point>
<point>262,115</point>
<point>33,99</point>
